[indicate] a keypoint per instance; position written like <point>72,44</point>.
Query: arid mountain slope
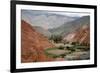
<point>43,31</point>
<point>71,26</point>
<point>81,35</point>
<point>33,44</point>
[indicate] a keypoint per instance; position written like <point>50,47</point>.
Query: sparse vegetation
<point>59,52</point>
<point>64,50</point>
<point>71,49</point>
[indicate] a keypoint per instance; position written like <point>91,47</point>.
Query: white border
<point>20,65</point>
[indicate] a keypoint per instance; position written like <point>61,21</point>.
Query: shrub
<point>67,47</point>
<point>71,48</point>
<point>61,47</point>
<point>62,55</point>
<point>73,43</point>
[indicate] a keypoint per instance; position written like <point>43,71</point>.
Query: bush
<point>73,43</point>
<point>71,48</point>
<point>61,47</point>
<point>62,55</point>
<point>67,47</point>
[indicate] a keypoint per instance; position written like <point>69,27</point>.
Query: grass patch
<point>56,52</point>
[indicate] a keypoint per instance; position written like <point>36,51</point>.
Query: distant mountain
<point>33,44</point>
<point>45,19</point>
<point>81,35</point>
<point>71,26</point>
<point>43,31</point>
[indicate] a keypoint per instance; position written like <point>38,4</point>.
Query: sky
<point>65,13</point>
<point>49,19</point>
<point>72,14</point>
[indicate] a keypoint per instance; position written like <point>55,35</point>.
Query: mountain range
<point>71,26</point>
<point>45,19</point>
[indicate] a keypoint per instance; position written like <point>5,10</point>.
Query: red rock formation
<point>81,35</point>
<point>33,44</point>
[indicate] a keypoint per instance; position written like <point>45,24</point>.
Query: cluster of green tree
<point>56,38</point>
<point>82,44</point>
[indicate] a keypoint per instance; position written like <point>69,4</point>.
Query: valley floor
<point>68,54</point>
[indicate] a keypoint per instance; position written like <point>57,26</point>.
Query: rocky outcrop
<point>81,35</point>
<point>33,44</point>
